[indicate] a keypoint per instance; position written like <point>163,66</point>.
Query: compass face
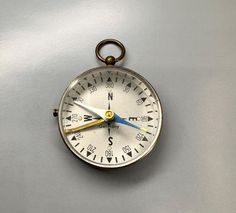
<point>110,117</point>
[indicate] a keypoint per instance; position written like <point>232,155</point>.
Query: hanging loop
<point>109,60</point>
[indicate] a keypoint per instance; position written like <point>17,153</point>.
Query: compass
<point>110,116</point>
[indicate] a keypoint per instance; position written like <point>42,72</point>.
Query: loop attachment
<point>109,60</point>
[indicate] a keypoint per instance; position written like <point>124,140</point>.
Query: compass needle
<point>120,120</point>
<point>99,112</point>
<point>85,126</point>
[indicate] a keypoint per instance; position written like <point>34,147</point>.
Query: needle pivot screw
<point>109,115</point>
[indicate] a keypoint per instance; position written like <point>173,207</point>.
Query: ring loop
<point>109,60</point>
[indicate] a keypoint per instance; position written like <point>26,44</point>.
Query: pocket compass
<point>110,116</point>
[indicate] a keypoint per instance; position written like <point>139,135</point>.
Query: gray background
<point>185,48</point>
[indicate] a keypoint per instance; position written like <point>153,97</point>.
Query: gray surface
<point>185,48</point>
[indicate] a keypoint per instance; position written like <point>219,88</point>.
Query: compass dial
<point>110,117</point>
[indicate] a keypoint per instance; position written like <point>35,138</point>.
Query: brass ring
<point>109,60</point>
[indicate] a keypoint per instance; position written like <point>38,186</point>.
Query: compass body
<point>110,116</point>
<point>113,143</point>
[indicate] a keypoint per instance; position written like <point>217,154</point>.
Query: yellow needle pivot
<point>76,129</point>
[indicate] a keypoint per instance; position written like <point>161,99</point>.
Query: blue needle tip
<point>120,120</point>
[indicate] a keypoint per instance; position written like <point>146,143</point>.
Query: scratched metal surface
<point>185,48</point>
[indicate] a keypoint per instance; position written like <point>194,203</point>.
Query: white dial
<point>110,117</point>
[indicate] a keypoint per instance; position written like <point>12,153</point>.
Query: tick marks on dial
<point>101,159</point>
<point>81,85</point>
<point>123,157</point>
<point>76,144</point>
<point>76,91</point>
<point>148,105</point>
<point>94,157</point>
<point>94,79</point>
<point>68,125</point>
<point>124,78</point>
<point>135,88</point>
<point>101,76</point>
<point>141,92</point>
<point>109,129</point>
<point>136,150</point>
<point>149,111</point>
<point>82,150</point>
<point>149,133</point>
<point>150,125</point>
<point>116,159</point>
<point>116,76</point>
<point>141,145</point>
